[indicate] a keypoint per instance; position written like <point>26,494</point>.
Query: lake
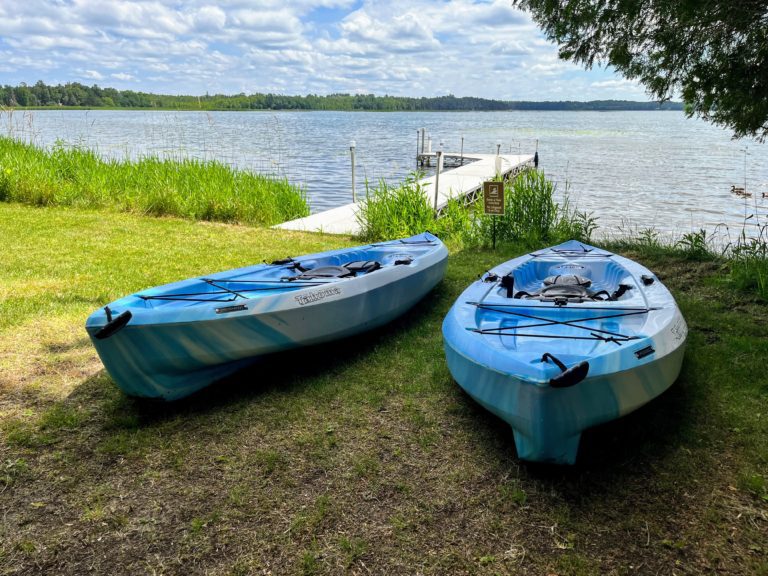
<point>632,170</point>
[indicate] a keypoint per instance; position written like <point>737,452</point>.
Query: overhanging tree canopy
<point>712,54</point>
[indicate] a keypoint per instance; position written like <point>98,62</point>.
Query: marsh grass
<point>749,263</point>
<point>742,262</point>
<point>395,211</point>
<point>186,188</point>
<point>531,214</point>
<point>361,456</point>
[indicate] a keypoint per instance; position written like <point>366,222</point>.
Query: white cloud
<point>401,47</point>
<point>617,84</point>
<point>209,18</point>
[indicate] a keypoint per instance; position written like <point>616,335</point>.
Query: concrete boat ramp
<point>465,182</point>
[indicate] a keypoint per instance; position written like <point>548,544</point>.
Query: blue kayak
<point>563,339</point>
<point>172,340</point>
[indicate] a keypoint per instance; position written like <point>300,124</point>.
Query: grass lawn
<point>358,457</point>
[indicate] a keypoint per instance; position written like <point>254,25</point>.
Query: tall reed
<point>749,263</point>
<point>186,188</point>
<point>531,214</point>
<point>395,211</point>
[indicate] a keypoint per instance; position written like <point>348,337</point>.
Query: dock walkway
<point>465,181</point>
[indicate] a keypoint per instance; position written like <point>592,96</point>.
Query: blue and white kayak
<point>560,340</point>
<point>170,341</point>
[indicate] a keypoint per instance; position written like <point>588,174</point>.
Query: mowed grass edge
<point>354,457</point>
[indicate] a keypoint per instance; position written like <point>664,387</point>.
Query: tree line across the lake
<point>74,94</point>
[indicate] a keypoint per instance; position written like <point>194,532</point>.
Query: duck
<point>739,191</point>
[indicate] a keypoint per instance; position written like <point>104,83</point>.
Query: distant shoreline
<point>75,96</point>
<point>679,108</point>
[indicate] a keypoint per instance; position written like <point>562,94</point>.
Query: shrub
<point>531,214</point>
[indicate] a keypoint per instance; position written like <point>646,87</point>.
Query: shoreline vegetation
<point>185,188</point>
<point>211,191</point>
<point>74,95</point>
<point>362,456</point>
<point>531,215</point>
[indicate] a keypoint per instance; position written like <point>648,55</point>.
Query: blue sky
<point>405,48</point>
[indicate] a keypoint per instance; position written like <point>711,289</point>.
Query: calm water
<point>633,170</point>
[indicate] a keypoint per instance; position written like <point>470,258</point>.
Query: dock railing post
<point>352,156</point>
<point>417,148</point>
<point>462,149</point>
<point>423,138</point>
<point>498,159</point>
<point>437,176</point>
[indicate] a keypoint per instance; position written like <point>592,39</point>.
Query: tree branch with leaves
<point>713,55</point>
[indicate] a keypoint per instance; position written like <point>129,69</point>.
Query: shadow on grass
<point>627,451</point>
<point>59,347</point>
<point>283,372</point>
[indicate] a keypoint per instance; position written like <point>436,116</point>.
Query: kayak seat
<point>323,272</point>
<point>567,280</point>
<point>362,266</point>
<point>563,286</point>
<point>349,270</point>
<point>571,287</point>
<point>572,292</point>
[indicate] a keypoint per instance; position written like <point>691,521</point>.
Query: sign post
<point>493,203</point>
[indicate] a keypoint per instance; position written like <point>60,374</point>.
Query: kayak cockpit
<point>282,276</point>
<point>562,281</point>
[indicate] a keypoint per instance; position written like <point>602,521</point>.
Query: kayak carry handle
<point>113,325</point>
<point>569,376</point>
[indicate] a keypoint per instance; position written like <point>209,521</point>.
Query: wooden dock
<point>464,182</point>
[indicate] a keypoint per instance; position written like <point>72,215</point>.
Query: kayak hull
<point>547,422</point>
<point>171,353</point>
<point>500,365</point>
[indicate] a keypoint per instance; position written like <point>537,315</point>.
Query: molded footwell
<point>554,450</point>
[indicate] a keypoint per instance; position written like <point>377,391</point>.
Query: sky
<point>419,48</point>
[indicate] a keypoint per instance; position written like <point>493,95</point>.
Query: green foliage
<point>395,211</point>
<point>681,469</point>
<point>648,240</point>
<point>513,493</point>
<point>531,215</point>
<point>353,549</point>
<point>74,94</point>
<point>61,418</point>
<point>754,483</point>
<point>695,245</point>
<point>749,263</point>
<point>11,469</point>
<point>713,53</point>
<point>198,190</point>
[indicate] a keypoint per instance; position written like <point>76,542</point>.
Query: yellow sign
<point>493,198</point>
